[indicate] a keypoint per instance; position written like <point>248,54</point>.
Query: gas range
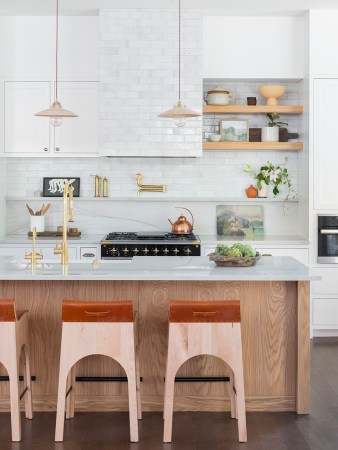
<point>127,245</point>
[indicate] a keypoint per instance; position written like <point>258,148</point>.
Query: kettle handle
<point>192,223</point>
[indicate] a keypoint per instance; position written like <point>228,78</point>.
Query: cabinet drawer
<point>88,253</point>
<point>47,252</point>
<point>328,283</point>
<point>301,254</point>
<point>325,313</point>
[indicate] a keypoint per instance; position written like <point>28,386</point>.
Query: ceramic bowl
<point>272,93</point>
<point>215,137</point>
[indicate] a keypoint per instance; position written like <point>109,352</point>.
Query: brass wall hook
<point>148,187</point>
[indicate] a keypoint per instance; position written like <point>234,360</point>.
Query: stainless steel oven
<point>327,240</point>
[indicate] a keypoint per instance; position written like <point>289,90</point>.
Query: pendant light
<point>179,112</point>
<point>56,112</point>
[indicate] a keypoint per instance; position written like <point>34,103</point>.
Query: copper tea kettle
<point>182,226</point>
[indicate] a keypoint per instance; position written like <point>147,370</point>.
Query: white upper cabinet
<point>323,36</point>
<point>28,135</point>
<point>325,156</point>
<point>254,47</point>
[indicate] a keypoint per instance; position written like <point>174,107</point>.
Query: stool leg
<point>138,384</point>
<point>232,395</point>
<point>133,406</point>
<point>13,372</point>
<point>70,400</point>
<point>61,404</point>
<point>28,384</point>
<point>242,432</point>
<point>168,402</point>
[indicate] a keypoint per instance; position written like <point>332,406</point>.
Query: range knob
<point>176,251</point>
<point>145,251</point>
<point>125,250</point>
<point>113,250</point>
<point>155,250</point>
<point>165,251</point>
<point>187,251</point>
<point>136,250</point>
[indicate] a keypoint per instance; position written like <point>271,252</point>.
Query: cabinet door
<point>325,136</point>
<point>78,135</point>
<point>24,132</point>
<point>301,254</point>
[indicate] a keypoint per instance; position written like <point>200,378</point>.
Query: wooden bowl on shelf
<point>233,261</point>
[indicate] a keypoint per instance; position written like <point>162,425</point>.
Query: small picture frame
<point>233,130</point>
<point>54,186</point>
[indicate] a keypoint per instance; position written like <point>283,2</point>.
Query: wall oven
<point>327,240</point>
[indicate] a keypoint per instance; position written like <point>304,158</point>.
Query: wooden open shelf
<point>257,109</point>
<point>233,146</point>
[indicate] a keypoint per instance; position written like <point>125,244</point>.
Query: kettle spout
<point>170,222</point>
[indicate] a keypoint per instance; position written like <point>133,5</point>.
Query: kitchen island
<point>275,309</point>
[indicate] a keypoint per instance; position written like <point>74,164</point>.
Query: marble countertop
<point>268,268</point>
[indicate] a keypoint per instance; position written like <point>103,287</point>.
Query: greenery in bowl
<point>276,175</point>
<point>237,250</point>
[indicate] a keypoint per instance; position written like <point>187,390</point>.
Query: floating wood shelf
<point>233,146</point>
<point>257,109</point>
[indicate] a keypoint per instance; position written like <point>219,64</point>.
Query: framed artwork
<point>234,130</point>
<point>53,187</point>
<point>240,221</point>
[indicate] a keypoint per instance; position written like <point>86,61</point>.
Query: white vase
<point>263,193</point>
<point>38,222</point>
<point>270,134</point>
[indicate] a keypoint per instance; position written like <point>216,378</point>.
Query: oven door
<point>327,240</point>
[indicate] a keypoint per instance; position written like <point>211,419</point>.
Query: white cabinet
<point>28,135</point>
<point>325,156</point>
<point>89,253</point>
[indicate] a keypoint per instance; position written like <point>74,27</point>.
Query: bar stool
<point>209,328</point>
<point>14,339</point>
<point>97,328</point>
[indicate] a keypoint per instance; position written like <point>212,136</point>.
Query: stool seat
<point>97,328</point>
<point>14,341</point>
<point>205,328</point>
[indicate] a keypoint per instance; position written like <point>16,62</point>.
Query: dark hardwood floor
<point>200,431</point>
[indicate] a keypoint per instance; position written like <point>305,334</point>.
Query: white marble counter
<point>296,241</point>
<point>268,268</point>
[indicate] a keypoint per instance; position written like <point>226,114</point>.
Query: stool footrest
<point>24,392</point>
<point>101,379</point>
<point>200,379</point>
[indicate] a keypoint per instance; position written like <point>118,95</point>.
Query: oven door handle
<point>335,231</point>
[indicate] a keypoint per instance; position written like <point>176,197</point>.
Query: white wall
<point>27,47</point>
<point>3,189</point>
<point>254,47</point>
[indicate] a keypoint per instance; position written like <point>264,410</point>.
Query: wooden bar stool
<point>205,328</point>
<point>14,339</point>
<point>97,328</point>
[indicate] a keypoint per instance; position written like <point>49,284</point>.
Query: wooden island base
<point>275,334</point>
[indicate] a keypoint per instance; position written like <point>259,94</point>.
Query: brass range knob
<point>125,250</point>
<point>165,251</point>
<point>187,251</point>
<point>155,250</point>
<point>145,251</point>
<point>113,250</point>
<point>136,250</point>
<point>176,250</point>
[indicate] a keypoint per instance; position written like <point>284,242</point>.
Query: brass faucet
<point>63,250</point>
<point>149,187</point>
<point>33,256</point>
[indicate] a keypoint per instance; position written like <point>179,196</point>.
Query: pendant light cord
<point>57,49</point>
<point>179,50</point>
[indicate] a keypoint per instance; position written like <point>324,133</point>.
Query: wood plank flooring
<point>201,430</point>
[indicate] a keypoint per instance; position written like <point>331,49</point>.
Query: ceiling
<point>226,7</point>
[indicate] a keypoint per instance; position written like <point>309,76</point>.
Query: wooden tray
<point>232,261</point>
<point>53,233</point>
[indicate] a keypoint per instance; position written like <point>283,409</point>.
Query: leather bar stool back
<point>14,340</point>
<point>97,328</point>
<point>206,328</point>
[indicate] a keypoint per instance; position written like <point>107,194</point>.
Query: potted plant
<point>271,131</point>
<point>270,174</point>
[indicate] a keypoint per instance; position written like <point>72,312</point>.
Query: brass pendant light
<point>56,112</point>
<point>179,112</point>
